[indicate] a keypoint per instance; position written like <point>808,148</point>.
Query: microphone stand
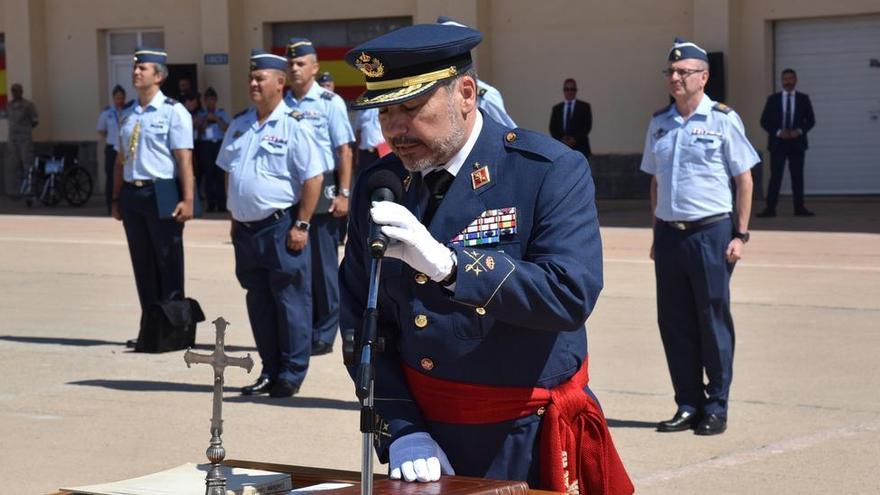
<point>366,376</point>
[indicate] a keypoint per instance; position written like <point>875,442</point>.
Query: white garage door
<point>838,65</point>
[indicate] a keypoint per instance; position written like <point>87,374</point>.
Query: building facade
<point>68,54</point>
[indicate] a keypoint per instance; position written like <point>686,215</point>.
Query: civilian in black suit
<point>787,140</point>
<point>572,120</point>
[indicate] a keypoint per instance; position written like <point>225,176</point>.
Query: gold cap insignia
<point>369,65</point>
<point>677,54</point>
<point>480,177</point>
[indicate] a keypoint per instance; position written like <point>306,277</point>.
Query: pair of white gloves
<point>416,456</point>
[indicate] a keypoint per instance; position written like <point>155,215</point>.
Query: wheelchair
<point>51,179</point>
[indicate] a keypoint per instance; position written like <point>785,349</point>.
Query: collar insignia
<point>480,177</point>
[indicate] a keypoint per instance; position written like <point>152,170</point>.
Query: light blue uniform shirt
<point>268,163</point>
<point>108,122</point>
<point>327,114</point>
<point>490,101</point>
<point>213,131</point>
<point>368,126</point>
<point>693,160</point>
<point>165,125</point>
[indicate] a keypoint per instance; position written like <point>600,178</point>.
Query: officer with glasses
<point>693,148</point>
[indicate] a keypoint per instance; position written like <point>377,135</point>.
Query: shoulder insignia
<point>239,114</point>
<point>327,95</point>
<point>129,104</point>
<point>171,101</point>
<point>662,110</point>
<point>296,114</point>
<point>482,92</point>
<point>721,107</point>
<point>535,143</point>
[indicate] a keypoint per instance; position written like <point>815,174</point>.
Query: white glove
<point>417,456</point>
<point>415,245</point>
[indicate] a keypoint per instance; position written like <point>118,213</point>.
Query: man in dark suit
<point>787,118</point>
<point>493,265</point>
<point>572,120</point>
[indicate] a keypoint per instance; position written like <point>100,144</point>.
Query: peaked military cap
<point>682,49</point>
<point>261,60</point>
<point>411,61</point>
<point>297,47</point>
<point>147,54</point>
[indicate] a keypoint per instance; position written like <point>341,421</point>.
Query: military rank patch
<point>480,177</point>
<point>491,227</point>
<point>296,114</point>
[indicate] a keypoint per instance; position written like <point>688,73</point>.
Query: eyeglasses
<point>681,73</point>
<point>569,88</point>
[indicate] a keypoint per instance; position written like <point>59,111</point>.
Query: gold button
<point>541,410</point>
<point>421,321</point>
<point>421,278</point>
<point>427,364</point>
<point>481,311</point>
<point>510,137</point>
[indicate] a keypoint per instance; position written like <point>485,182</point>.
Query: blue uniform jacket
<point>517,323</point>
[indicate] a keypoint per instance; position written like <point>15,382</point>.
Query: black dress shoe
<point>320,348</point>
<point>803,212</point>
<point>683,420</point>
<point>766,214</point>
<point>262,386</point>
<point>283,388</point>
<point>713,424</point>
<point>131,343</point>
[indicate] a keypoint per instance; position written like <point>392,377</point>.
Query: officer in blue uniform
<point>108,130</point>
<point>274,167</point>
<point>211,123</point>
<point>495,263</point>
<point>489,99</point>
<point>155,143</point>
<point>693,148</point>
<point>326,112</point>
<point>369,137</point>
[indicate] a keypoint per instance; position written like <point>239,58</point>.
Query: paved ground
<point>77,408</point>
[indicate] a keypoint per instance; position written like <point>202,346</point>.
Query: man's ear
<point>467,88</point>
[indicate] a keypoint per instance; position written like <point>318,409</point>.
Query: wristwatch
<point>345,193</point>
<point>301,225</point>
<point>743,236</point>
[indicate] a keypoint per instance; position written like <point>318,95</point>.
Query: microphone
<point>383,185</point>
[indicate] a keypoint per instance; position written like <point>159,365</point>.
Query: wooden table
<point>303,476</point>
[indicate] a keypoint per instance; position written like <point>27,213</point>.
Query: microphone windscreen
<point>385,179</point>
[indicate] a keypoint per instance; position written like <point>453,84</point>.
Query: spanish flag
<point>349,81</point>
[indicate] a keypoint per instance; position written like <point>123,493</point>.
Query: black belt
<point>696,223</point>
<point>258,224</point>
<point>141,182</point>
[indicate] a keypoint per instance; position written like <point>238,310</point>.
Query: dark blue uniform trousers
<point>325,234</point>
<point>693,311</point>
<point>109,167</point>
<point>155,246</point>
<point>279,297</point>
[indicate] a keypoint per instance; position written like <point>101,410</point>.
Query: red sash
<point>577,453</point>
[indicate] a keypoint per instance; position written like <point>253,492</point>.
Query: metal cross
<point>215,481</point>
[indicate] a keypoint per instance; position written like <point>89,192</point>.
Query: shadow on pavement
<point>628,423</point>
<point>299,402</point>
<point>96,342</point>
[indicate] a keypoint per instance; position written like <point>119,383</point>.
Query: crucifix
<point>215,482</point>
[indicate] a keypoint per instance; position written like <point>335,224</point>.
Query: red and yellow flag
<point>349,81</point>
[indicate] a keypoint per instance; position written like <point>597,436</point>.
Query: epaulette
<point>129,104</point>
<point>482,91</point>
<point>170,101</point>
<point>721,107</point>
<point>296,114</point>
<point>662,110</point>
<point>535,143</point>
<point>327,95</point>
<point>239,114</point>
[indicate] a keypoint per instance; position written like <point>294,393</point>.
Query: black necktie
<point>438,183</point>
<point>789,119</point>
<point>566,117</point>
